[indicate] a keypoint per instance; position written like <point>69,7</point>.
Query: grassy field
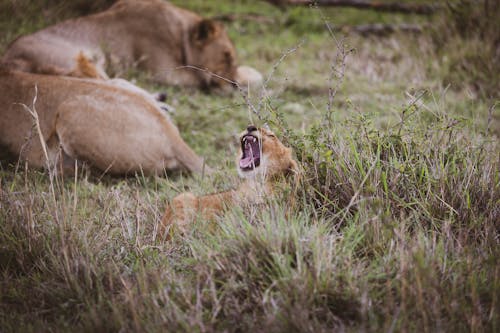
<point>398,223</point>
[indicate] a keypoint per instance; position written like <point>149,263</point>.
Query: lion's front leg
<point>186,207</point>
<point>181,211</point>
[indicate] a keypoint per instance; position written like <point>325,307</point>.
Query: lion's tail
<point>85,68</point>
<point>190,160</point>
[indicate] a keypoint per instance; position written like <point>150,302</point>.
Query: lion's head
<point>214,52</point>
<point>263,155</point>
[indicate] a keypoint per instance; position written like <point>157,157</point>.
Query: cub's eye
<point>272,136</point>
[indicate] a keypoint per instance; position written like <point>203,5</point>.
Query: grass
<point>396,230</point>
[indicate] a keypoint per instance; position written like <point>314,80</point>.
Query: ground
<point>397,226</point>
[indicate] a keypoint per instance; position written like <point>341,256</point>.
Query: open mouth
<point>251,152</point>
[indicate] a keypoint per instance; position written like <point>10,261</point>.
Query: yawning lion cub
<point>262,161</point>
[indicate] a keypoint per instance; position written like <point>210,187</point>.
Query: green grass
<point>396,227</point>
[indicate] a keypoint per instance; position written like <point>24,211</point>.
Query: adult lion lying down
<point>152,34</point>
<point>114,126</point>
<point>263,161</point>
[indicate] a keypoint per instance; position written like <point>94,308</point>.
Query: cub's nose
<point>251,128</point>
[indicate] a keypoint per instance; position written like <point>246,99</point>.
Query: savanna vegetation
<point>397,222</point>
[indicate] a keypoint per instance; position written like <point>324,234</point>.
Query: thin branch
<point>413,103</point>
<point>236,84</point>
<point>263,91</point>
<point>337,71</point>
<point>36,123</point>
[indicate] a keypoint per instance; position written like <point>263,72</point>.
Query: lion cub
<point>262,161</point>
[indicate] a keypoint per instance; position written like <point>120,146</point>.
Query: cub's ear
<point>205,30</point>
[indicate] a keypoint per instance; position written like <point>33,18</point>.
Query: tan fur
<point>258,185</point>
<point>114,126</point>
<point>85,68</point>
<point>153,35</point>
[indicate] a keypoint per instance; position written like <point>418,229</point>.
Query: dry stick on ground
<point>407,8</point>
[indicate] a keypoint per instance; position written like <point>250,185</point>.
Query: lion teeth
<point>249,139</point>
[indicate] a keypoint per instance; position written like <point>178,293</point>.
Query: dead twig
<point>263,91</point>
<point>36,124</point>
<point>337,72</point>
<point>236,84</point>
<point>410,109</point>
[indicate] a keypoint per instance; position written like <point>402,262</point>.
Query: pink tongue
<point>246,162</point>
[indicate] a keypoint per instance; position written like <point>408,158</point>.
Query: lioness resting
<point>114,126</point>
<point>262,161</point>
<point>154,35</point>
